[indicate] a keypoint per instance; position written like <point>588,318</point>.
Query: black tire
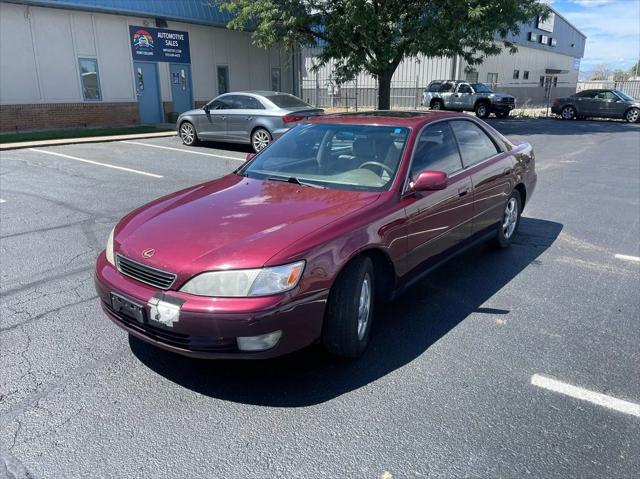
<point>260,139</point>
<point>632,115</point>
<point>502,114</point>
<point>341,335</point>
<point>505,235</point>
<point>188,134</point>
<point>482,110</point>
<point>437,105</point>
<point>568,113</point>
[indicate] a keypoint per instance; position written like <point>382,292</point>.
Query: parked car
<point>298,244</point>
<point>249,117</point>
<point>602,103</point>
<point>463,96</point>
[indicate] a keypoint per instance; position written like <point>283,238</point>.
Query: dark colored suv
<point>602,103</point>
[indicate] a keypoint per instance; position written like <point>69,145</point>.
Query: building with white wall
<point>71,63</point>
<point>545,65</point>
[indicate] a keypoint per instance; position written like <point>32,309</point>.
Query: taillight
<point>292,118</point>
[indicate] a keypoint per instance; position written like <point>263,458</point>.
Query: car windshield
<point>624,96</point>
<point>286,101</point>
<point>348,157</point>
<point>481,88</point>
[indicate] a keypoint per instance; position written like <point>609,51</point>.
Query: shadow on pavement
<point>240,148</point>
<point>402,331</point>
<point>557,126</point>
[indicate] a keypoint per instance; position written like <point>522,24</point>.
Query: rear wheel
<point>349,314</point>
<point>568,113</point>
<point>260,139</point>
<point>632,115</point>
<point>437,105</point>
<point>188,134</point>
<point>482,110</point>
<point>510,220</point>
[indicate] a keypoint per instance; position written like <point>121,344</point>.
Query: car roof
<point>257,93</point>
<point>386,117</point>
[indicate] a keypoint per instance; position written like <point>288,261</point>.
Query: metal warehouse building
<point>72,63</point>
<point>546,65</point>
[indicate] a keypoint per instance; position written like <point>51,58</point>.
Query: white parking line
<point>183,150</point>
<point>586,395</point>
<point>106,165</point>
<point>628,258</point>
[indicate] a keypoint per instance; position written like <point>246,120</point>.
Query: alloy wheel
<point>260,140</point>
<point>364,307</point>
<point>568,112</point>
<point>510,220</point>
<point>187,133</point>
<point>632,115</point>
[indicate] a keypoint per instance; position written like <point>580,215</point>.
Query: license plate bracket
<point>128,308</point>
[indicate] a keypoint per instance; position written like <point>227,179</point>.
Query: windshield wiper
<point>295,181</point>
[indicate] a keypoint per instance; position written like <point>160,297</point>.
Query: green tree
<point>376,35</point>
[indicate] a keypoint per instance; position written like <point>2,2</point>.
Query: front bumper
<point>208,327</point>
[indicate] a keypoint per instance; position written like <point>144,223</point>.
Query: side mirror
<point>250,156</point>
<point>206,107</point>
<point>430,181</point>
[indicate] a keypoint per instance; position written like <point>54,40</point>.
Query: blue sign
<point>159,45</point>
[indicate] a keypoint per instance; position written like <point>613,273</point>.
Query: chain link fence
<point>630,87</point>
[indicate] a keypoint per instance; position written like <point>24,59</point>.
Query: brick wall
<point>45,116</point>
<point>167,108</point>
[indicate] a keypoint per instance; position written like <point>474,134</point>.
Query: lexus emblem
<point>148,253</point>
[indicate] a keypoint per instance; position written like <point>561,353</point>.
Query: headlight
<point>246,282</point>
<point>109,249</point>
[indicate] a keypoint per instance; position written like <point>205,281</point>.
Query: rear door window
<point>475,145</point>
<point>245,102</point>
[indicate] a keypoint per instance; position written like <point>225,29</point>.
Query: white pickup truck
<point>464,96</point>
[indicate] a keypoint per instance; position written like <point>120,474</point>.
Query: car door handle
<point>507,171</point>
<point>249,118</point>
<point>223,117</point>
<point>463,191</point>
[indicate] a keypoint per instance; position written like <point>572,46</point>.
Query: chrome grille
<point>145,274</point>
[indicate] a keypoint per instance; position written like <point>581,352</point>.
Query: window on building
<point>275,80</point>
<point>90,79</point>
<point>223,79</point>
<point>436,150</point>
<point>492,79</point>
<point>525,75</point>
<point>544,39</point>
<point>533,37</point>
<point>516,74</point>
<point>471,77</point>
<point>475,145</point>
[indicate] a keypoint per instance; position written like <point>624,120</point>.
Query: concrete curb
<point>91,139</point>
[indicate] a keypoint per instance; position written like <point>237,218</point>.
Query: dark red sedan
<point>299,243</point>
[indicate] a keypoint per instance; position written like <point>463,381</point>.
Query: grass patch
<point>81,133</point>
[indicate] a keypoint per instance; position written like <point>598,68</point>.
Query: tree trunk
<point>384,91</point>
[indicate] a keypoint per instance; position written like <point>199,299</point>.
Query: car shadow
<point>402,331</point>
<point>239,147</point>
<point>557,126</point>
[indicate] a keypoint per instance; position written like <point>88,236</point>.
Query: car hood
<point>500,95</point>
<point>230,223</point>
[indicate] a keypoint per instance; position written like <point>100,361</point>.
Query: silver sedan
<point>249,117</point>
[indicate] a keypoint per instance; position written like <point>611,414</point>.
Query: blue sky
<point>612,28</point>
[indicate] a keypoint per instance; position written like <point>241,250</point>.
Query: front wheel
<point>482,110</point>
<point>349,313</point>
<point>188,134</point>
<point>260,139</point>
<point>510,220</point>
<point>632,115</point>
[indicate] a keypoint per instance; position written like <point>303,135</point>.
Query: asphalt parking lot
<point>469,374</point>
